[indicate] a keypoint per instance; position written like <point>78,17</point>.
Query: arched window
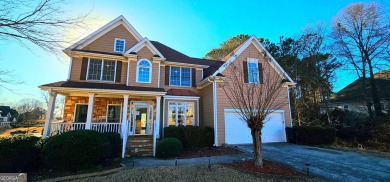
<point>144,68</point>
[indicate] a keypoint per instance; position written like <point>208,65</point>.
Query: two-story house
<point>120,81</point>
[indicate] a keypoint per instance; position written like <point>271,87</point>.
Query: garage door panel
<point>237,132</point>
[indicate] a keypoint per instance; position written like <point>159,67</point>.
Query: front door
<point>141,118</point>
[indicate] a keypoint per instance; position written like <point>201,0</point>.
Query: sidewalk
<point>151,161</point>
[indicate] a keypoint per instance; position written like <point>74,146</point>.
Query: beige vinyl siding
<point>223,102</point>
<point>206,106</point>
<point>165,106</point>
<point>105,43</point>
<point>124,73</point>
<point>76,71</point>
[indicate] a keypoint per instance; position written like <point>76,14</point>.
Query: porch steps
<point>139,146</point>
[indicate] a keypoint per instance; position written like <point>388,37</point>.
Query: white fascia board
<point>278,67</point>
<point>144,42</point>
<point>97,55</point>
<point>106,28</point>
<point>253,40</point>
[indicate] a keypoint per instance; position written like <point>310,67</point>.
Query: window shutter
<point>260,67</point>
<point>245,66</point>
<point>167,69</point>
<point>118,71</point>
<point>193,77</point>
<point>84,67</point>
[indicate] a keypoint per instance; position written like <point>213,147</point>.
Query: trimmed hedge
<point>314,135</point>
<point>115,142</point>
<point>191,137</point>
<point>74,150</point>
<point>19,153</point>
<point>169,147</point>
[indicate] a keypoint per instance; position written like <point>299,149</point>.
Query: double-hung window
<point>180,113</point>
<point>180,76</point>
<point>101,70</point>
<point>253,71</point>
<point>119,45</point>
<point>113,113</point>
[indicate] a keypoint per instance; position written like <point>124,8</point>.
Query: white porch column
<point>124,115</point>
<point>158,111</point>
<point>49,114</point>
<point>91,101</point>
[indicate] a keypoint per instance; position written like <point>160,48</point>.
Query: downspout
<point>215,113</point>
<point>289,106</point>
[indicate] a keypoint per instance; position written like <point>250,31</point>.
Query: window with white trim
<point>113,114</point>
<point>119,45</point>
<point>180,76</point>
<point>101,70</point>
<point>144,68</point>
<point>253,71</point>
<point>181,113</point>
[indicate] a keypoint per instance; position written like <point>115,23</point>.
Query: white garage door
<point>237,132</point>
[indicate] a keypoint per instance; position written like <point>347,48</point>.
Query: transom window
<point>119,45</point>
<point>180,76</point>
<point>253,71</point>
<point>180,113</point>
<point>102,70</point>
<point>144,71</point>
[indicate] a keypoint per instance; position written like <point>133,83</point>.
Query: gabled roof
<point>145,42</point>
<point>236,52</point>
<point>354,91</point>
<point>106,28</point>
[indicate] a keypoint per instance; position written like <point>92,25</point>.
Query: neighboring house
<point>351,98</point>
<point>5,117</point>
<point>123,82</point>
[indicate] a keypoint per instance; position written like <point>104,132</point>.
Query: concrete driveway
<point>333,165</point>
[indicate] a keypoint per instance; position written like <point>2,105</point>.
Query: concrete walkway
<point>333,165</point>
<point>151,161</point>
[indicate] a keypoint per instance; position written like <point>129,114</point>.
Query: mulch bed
<point>268,168</point>
<point>205,152</point>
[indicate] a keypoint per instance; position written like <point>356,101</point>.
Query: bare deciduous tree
<point>254,101</point>
<point>361,34</point>
<point>40,22</point>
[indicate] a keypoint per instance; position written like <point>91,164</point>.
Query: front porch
<point>125,112</point>
<point>108,114</point>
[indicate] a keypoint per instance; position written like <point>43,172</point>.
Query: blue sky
<point>192,27</point>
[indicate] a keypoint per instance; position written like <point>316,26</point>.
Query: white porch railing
<point>5,123</point>
<point>58,128</point>
<point>107,127</point>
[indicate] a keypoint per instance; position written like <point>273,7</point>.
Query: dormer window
<point>119,45</point>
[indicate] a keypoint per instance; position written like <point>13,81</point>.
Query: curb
<point>78,176</point>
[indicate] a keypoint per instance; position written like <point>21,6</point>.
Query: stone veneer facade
<point>99,108</point>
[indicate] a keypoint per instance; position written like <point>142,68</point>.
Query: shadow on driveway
<point>330,164</point>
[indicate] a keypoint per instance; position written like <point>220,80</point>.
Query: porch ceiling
<point>83,88</point>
